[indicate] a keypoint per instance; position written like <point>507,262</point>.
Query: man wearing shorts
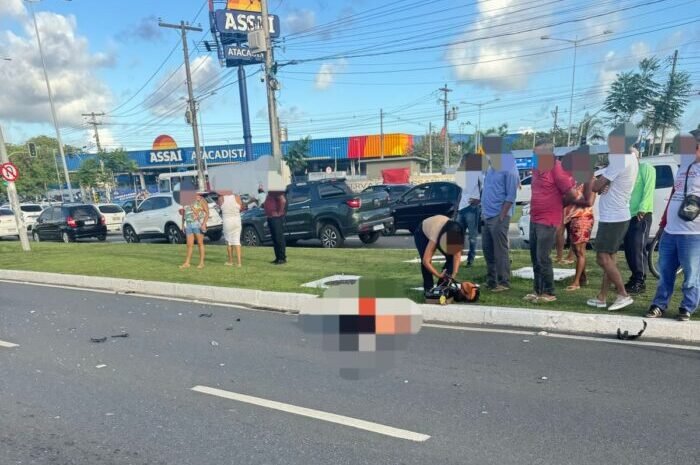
<point>615,187</point>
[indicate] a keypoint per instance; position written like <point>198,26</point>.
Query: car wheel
<point>66,237</point>
<point>130,235</point>
<point>35,236</point>
<point>389,231</point>
<point>369,238</point>
<point>250,237</point>
<point>215,236</point>
<point>174,235</point>
<point>102,238</point>
<point>330,237</point>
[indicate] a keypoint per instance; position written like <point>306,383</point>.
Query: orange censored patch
<point>367,306</point>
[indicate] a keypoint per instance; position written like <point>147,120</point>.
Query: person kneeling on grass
<point>439,233</point>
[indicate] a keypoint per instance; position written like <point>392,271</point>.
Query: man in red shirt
<point>275,207</point>
<point>552,188</point>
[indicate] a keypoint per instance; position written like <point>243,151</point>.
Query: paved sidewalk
<point>538,320</point>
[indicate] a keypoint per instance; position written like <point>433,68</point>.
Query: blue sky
<point>353,59</point>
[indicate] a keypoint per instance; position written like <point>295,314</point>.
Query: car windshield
<point>110,209</point>
<point>31,208</point>
<point>85,211</point>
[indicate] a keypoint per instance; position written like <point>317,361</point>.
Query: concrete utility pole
<point>51,105</point>
<point>94,123</point>
<point>183,27</point>
<point>271,85</point>
<point>445,102</point>
<point>14,199</point>
<point>671,78</point>
<point>381,132</point>
<point>430,147</point>
<point>554,128</point>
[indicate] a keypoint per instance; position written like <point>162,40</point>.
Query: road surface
<point>457,397</point>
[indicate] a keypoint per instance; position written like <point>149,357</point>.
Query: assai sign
<point>242,54</point>
<point>165,151</point>
<point>240,23</point>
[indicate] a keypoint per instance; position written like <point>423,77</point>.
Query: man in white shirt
<point>615,187</point>
<point>470,178</point>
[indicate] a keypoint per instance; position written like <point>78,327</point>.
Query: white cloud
<point>71,67</point>
<point>299,20</point>
<point>205,72</point>
<point>11,8</point>
<point>326,73</point>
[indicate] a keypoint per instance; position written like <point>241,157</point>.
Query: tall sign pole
<point>245,114</point>
<point>271,85</point>
<point>191,101</point>
<point>14,199</point>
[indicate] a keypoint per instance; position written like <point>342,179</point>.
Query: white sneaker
<point>596,303</point>
<point>621,302</point>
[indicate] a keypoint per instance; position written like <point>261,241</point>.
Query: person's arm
<point>282,205</point>
<point>427,259</point>
<point>456,261</point>
<point>206,215</point>
<point>646,205</point>
<point>664,217</point>
<point>511,194</point>
<point>600,184</point>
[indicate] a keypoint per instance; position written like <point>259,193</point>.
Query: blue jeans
<point>679,250</point>
<point>469,217</point>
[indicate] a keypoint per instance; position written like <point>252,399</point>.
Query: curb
<point>532,319</point>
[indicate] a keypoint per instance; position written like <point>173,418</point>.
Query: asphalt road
<point>481,397</point>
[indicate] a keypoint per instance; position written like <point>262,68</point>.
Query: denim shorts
<point>193,229</point>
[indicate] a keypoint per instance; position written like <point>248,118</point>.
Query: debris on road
<point>98,340</point>
<point>121,335</point>
<point>229,328</point>
<point>542,333</point>
<point>214,343</point>
<point>101,366</point>
<point>625,336</point>
<point>206,315</point>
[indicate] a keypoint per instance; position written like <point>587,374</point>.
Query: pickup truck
<point>327,210</point>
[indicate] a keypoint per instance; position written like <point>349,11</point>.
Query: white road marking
<point>316,414</point>
<point>8,345</point>
<point>564,336</point>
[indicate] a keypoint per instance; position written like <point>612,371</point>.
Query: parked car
<point>8,225</point>
<point>114,216</point>
<point>68,222</point>
<point>394,190</point>
<point>325,209</point>
<point>524,191</point>
<point>159,216</point>
<point>30,212</point>
<point>666,167</point>
<point>128,206</point>
<point>424,201</point>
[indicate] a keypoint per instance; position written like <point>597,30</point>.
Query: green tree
<point>592,128</point>
<point>297,155</point>
<point>632,92</point>
<point>501,130</point>
<point>423,148</point>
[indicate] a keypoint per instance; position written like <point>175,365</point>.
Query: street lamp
<point>478,126</point>
<point>51,104</point>
<point>575,41</point>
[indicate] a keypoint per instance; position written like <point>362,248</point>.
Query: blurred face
<point>544,157</point>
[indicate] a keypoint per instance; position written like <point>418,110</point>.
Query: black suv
<point>424,201</point>
<point>327,210</point>
<point>69,222</point>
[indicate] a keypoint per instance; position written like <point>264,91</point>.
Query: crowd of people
<point>564,191</point>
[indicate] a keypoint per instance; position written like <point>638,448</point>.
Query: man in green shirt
<point>637,237</point>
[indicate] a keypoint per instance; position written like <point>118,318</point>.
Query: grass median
<point>159,262</point>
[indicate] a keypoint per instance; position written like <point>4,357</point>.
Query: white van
<point>666,167</point>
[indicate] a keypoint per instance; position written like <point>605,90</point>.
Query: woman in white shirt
<point>230,204</point>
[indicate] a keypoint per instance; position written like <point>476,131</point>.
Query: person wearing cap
<point>438,233</point>
<point>615,187</point>
<point>637,237</point>
<point>680,237</point>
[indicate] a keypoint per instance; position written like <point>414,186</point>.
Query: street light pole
<point>478,123</point>
<point>51,104</point>
<point>14,199</point>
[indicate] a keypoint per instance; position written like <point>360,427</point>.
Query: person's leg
<point>634,248</point>
<point>611,273</point>
<point>601,258</point>
<point>560,242</point>
<point>421,242</point>
<point>502,252</point>
<point>648,219</point>
<point>689,254</point>
<point>537,282</point>
<point>546,238</point>
<point>229,252</point>
<point>277,234</point>
<point>200,245</point>
<point>188,254</point>
<point>668,265</point>
<point>238,255</point>
<point>580,253</point>
<point>472,221</point>
<point>489,256</point>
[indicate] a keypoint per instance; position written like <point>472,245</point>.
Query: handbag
<point>690,206</point>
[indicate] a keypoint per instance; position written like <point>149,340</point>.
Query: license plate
<point>377,227</point>
<point>89,222</point>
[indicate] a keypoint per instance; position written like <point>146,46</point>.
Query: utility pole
<point>183,27</point>
<point>430,147</point>
<point>670,87</point>
<point>271,85</point>
<point>58,176</point>
<point>14,199</point>
<point>94,123</point>
<point>381,132</point>
<point>51,105</point>
<point>554,128</point>
<point>445,102</point>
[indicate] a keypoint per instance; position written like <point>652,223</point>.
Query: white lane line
<point>8,345</point>
<point>316,414</point>
<point>564,336</point>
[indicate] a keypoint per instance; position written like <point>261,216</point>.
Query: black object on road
<point>98,340</point>
<point>625,336</point>
<point>206,315</point>
<point>121,335</point>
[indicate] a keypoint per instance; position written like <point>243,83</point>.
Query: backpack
<point>447,292</point>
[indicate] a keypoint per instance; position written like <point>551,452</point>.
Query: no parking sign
<point>9,172</point>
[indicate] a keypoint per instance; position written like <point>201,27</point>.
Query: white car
<point>666,167</point>
<point>159,216</point>
<point>30,212</point>
<point>8,225</point>
<point>524,191</point>
<point>114,216</point>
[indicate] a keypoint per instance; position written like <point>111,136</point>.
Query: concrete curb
<point>532,319</point>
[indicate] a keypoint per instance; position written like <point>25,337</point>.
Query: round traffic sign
<point>9,172</point>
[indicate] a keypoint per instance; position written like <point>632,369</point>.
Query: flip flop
<point>184,267</point>
<point>572,288</point>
